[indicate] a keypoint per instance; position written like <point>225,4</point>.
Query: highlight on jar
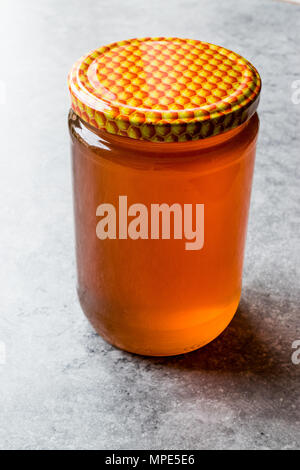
<point>163,140</point>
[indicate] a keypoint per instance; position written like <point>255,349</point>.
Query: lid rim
<point>151,123</point>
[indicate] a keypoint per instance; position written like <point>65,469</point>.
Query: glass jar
<point>161,191</point>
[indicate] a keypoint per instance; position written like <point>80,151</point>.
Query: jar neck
<point>109,140</point>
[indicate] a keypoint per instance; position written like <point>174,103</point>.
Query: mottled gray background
<point>63,387</point>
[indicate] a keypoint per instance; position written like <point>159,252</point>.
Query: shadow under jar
<point>163,150</point>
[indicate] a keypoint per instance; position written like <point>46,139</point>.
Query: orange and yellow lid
<point>164,89</point>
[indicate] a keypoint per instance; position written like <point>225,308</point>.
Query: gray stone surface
<point>63,387</point>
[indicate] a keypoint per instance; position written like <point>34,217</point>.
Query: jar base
<point>162,342</point>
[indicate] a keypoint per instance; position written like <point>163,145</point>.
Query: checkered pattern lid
<point>164,89</point>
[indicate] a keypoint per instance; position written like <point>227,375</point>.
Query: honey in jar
<point>163,137</point>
